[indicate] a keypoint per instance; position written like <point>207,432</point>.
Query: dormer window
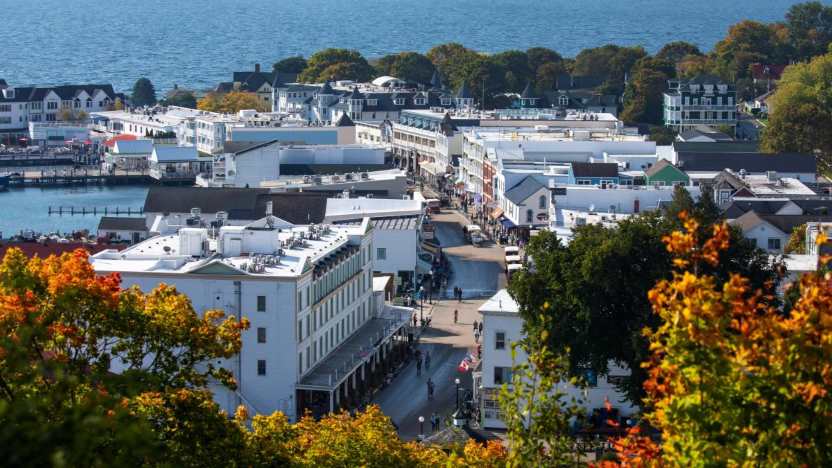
<point>446,101</point>
<point>694,88</point>
<point>372,102</point>
<point>419,101</point>
<point>722,89</point>
<point>398,101</point>
<point>563,101</point>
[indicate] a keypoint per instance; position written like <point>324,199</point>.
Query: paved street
<point>479,271</point>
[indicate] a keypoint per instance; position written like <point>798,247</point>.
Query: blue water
<point>199,42</point>
<point>28,208</point>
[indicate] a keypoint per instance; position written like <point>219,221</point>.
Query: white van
<point>474,234</point>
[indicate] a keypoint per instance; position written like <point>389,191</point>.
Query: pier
<point>84,176</point>
<point>83,211</point>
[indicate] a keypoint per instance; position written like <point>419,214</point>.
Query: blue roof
<point>522,191</point>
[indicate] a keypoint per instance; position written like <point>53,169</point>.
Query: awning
<point>507,223</point>
<point>496,213</point>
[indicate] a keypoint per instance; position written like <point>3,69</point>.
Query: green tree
<point>675,51</point>
<point>336,64</point>
<point>596,288</point>
<point>747,42</point>
<point>800,113</point>
<point>144,94</point>
<point>452,60</point>
<point>809,28</point>
<point>662,135</point>
<point>539,56</point>
<point>547,75</point>
<point>180,97</point>
<point>294,65</point>
<point>516,63</point>
<point>409,66</point>
<point>643,99</point>
<point>611,62</point>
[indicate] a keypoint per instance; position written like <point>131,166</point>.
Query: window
<point>261,367</point>
<point>261,303</point>
<point>773,243</point>
<point>300,361</point>
<point>261,335</point>
<point>502,375</point>
<point>563,101</point>
<point>529,216</point>
<point>500,340</point>
<point>381,253</point>
<point>420,101</point>
<point>541,202</point>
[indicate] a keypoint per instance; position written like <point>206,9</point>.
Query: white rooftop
<point>268,247</point>
<point>170,153</point>
<point>500,302</point>
<point>762,185</point>
<point>311,180</point>
<point>351,208</point>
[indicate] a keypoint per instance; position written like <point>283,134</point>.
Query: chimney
<point>256,68</point>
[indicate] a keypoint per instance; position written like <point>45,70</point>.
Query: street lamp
<point>456,381</point>
<point>421,427</point>
<point>422,304</point>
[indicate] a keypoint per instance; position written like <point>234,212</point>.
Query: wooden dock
<point>83,211</point>
<point>55,178</point>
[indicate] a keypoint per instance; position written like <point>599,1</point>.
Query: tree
<point>409,66</point>
<point>797,241</point>
<point>232,102</point>
<point>180,97</point>
<point>662,135</point>
<point>452,60</point>
<point>611,62</point>
<point>547,75</point>
<point>747,42</point>
<point>799,112</point>
<point>144,94</point>
<point>516,63</point>
<point>675,51</point>
<point>336,64</point>
<point>734,379</point>
<point>643,98</point>
<point>539,56</point>
<point>294,65</point>
<point>596,288</point>
<point>809,27</point>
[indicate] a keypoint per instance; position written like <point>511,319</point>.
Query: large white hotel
<point>317,340</point>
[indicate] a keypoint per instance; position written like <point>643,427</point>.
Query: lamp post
<point>456,381</point>
<point>422,304</point>
<point>421,427</point>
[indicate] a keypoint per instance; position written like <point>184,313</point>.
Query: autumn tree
<point>747,42</point>
<point>643,98</point>
<point>800,114</point>
<point>180,97</point>
<point>452,60</point>
<point>809,29</point>
<point>611,62</point>
<point>336,64</point>
<point>733,379</point>
<point>232,102</point>
<point>675,51</point>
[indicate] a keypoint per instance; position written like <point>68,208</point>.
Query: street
<point>479,271</point>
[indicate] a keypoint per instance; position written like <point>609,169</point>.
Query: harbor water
<point>28,208</point>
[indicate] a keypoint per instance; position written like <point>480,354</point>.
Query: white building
<point>58,133</point>
<point>314,338</point>
<point>130,154</point>
<point>704,100</point>
<point>24,104</point>
<point>176,163</point>
<point>502,326</point>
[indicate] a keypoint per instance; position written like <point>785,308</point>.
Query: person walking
<point>427,360</point>
<point>477,336</point>
<point>434,422</point>
<point>430,389</point>
<point>456,316</point>
<point>460,294</point>
<point>476,327</point>
<point>480,328</point>
<point>418,366</point>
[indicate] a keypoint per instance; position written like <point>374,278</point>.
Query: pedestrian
<point>475,326</point>
<point>430,389</point>
<point>460,294</point>
<point>456,316</point>
<point>414,320</point>
<point>477,336</point>
<point>433,422</point>
<point>427,360</point>
<point>418,367</point>
<point>480,328</point>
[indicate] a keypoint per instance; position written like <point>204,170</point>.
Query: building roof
<point>326,89</point>
<point>65,92</point>
<point>785,223</point>
<point>43,250</point>
<point>528,92</point>
<point>500,302</point>
<point>436,80</point>
<point>716,147</point>
<point>580,169</point>
<point>113,223</point>
<point>344,121</point>
<point>239,203</point>
<point>656,168</point>
<point>523,190</point>
<point>714,136</point>
<point>170,153</point>
<point>144,146</point>
<point>750,162</point>
<point>242,147</point>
